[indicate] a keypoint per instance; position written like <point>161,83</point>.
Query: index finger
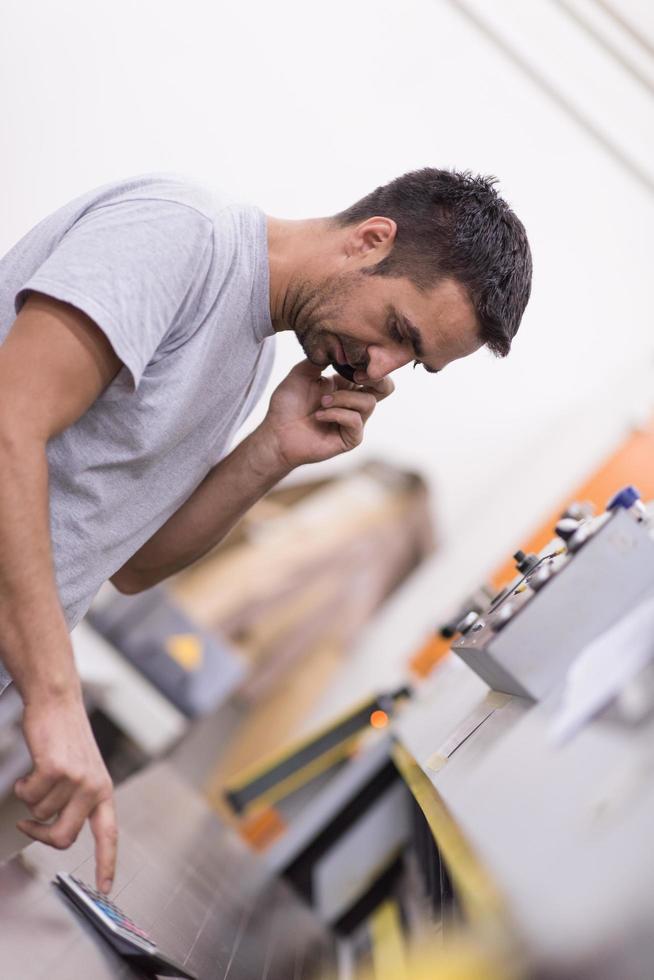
<point>380,389</point>
<point>105,831</point>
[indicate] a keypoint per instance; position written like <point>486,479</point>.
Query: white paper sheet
<point>603,669</point>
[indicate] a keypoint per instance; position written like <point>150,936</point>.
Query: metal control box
<point>525,643</point>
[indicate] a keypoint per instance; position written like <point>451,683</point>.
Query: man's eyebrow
<point>415,338</point>
<point>412,331</point>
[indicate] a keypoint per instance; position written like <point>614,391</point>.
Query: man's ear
<point>372,238</point>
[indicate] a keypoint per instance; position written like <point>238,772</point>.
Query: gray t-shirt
<point>178,281</point>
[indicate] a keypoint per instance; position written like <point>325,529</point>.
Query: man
<point>135,325</point>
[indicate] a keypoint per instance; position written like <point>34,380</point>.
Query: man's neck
<point>295,250</point>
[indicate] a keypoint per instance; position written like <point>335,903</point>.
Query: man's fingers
<point>64,831</point>
<point>54,802</point>
<point>70,783</point>
<point>35,830</point>
<point>350,423</point>
<point>35,787</point>
<point>105,830</point>
<point>359,401</point>
<point>73,809</point>
<point>340,382</point>
<point>380,389</point>
<point>60,834</point>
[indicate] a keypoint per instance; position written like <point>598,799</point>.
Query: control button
<point>566,527</point>
<point>629,499</point>
<point>581,536</point>
<point>468,620</point>
<point>578,511</point>
<point>524,563</point>
<point>503,616</point>
<point>541,576</point>
<point>626,498</point>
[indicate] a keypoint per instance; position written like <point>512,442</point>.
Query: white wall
<point>303,108</point>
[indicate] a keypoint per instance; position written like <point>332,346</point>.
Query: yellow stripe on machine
<point>477,892</point>
<point>289,784</point>
<point>262,766</point>
<point>388,947</point>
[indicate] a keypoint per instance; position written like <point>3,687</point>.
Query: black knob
<point>525,563</point>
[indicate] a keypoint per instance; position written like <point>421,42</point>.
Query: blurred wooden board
<point>277,720</point>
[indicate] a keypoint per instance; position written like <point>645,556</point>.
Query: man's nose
<point>382,361</point>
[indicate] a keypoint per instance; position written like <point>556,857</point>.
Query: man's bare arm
<point>53,365</point>
<point>224,496</point>
<point>310,419</point>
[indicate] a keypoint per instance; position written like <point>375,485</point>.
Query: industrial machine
<point>590,575</point>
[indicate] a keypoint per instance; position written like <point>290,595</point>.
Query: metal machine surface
<point>184,876</point>
<point>593,572</point>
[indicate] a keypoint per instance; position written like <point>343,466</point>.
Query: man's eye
<point>395,334</point>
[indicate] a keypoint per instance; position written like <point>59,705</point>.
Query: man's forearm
<point>68,782</point>
<point>34,641</point>
<point>224,496</point>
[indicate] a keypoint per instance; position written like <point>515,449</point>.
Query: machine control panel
<point>593,572</point>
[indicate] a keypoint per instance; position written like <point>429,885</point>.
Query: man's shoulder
<point>167,188</point>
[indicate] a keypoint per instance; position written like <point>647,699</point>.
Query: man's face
<point>376,324</point>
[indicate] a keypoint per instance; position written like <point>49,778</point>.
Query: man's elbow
<point>127,582</point>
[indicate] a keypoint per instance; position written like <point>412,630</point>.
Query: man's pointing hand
<point>69,783</point>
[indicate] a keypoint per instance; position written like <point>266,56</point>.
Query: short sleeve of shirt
<point>134,267</point>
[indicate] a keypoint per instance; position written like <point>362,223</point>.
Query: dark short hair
<point>454,224</point>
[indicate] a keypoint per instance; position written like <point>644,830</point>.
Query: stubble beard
<point>312,311</point>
